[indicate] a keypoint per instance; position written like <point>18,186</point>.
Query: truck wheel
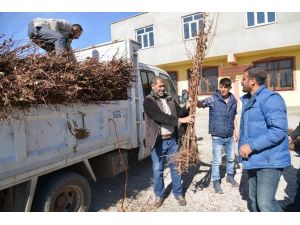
<point>66,192</point>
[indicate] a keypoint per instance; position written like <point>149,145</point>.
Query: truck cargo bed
<point>45,139</point>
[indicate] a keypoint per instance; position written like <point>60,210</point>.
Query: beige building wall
<point>233,45</point>
<point>231,37</point>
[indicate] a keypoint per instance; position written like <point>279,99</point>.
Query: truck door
<point>146,77</point>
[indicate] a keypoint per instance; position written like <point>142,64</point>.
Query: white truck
<point>49,154</point>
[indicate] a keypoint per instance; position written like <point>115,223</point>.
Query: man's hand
<point>189,119</point>
<point>188,104</point>
<point>236,130</point>
<point>290,140</point>
<point>245,151</point>
<point>199,104</point>
<point>236,137</point>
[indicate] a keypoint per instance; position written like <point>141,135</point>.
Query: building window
<point>260,18</point>
<point>191,25</point>
<point>209,81</point>
<point>95,54</point>
<point>279,73</point>
<point>145,36</point>
<point>174,77</point>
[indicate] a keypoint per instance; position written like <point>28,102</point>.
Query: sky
<point>96,25</point>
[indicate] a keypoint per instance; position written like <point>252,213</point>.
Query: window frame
<point>176,74</point>
<point>190,24</point>
<point>147,33</point>
<point>272,59</point>
<point>256,24</point>
<point>95,54</point>
<point>200,87</point>
<point>148,88</point>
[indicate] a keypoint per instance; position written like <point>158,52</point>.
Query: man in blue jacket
<point>263,143</point>
<point>223,129</point>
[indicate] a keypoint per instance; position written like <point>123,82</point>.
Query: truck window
<point>170,88</point>
<point>146,77</point>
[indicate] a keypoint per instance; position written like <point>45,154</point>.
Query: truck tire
<point>66,192</point>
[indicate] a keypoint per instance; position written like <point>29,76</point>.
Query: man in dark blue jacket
<point>223,129</point>
<point>263,143</point>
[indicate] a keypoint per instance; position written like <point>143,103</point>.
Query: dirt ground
<point>107,193</point>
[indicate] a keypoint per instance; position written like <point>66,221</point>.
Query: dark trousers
<point>263,184</point>
<point>47,39</point>
<point>165,150</point>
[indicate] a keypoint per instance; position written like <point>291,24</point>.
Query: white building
<point>268,39</point>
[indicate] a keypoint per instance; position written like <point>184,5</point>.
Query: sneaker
<point>180,199</point>
<point>217,187</point>
<point>231,181</point>
<point>158,202</point>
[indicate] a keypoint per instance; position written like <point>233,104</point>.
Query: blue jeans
<point>47,38</point>
<point>263,184</point>
<point>218,143</point>
<point>165,149</point>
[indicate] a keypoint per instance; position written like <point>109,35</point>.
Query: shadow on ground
<point>107,192</point>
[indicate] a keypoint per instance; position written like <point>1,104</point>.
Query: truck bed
<point>45,139</point>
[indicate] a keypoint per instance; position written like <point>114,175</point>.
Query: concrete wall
<point>231,37</point>
<point>168,37</point>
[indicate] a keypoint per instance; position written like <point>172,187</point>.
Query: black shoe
<point>217,186</point>
<point>231,180</point>
<point>180,199</point>
<point>158,202</point>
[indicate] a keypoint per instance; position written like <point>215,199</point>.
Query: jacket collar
<point>220,97</point>
<point>260,89</point>
<point>248,95</point>
<point>249,100</point>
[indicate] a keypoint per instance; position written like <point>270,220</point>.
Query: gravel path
<point>107,193</point>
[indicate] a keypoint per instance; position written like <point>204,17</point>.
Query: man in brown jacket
<point>162,115</point>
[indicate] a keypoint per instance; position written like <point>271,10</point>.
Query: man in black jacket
<point>162,115</point>
<point>295,206</point>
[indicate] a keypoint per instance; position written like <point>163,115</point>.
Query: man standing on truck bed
<point>162,115</point>
<point>54,35</point>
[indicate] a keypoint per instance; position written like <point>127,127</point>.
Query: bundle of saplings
<point>28,78</point>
